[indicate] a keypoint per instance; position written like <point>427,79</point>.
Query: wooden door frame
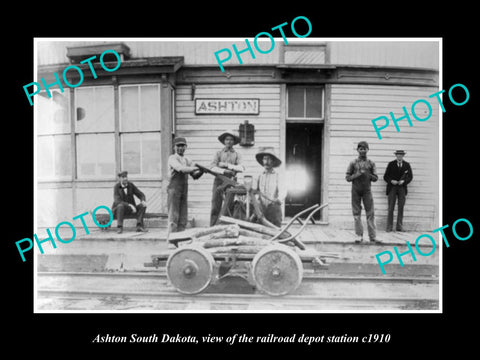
<point>325,144</point>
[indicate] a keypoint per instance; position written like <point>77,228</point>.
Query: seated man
<point>124,202</point>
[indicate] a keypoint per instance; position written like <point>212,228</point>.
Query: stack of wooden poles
<point>235,236</point>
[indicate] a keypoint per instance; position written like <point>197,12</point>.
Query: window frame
<point>116,131</point>
<point>140,175</point>
<point>121,131</point>
<point>53,177</point>
<point>305,118</point>
<point>138,85</point>
<point>76,133</point>
<point>54,131</point>
<point>92,177</point>
<point>52,135</point>
<point>74,110</point>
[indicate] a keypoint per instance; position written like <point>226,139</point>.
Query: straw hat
<point>236,139</point>
<point>268,151</point>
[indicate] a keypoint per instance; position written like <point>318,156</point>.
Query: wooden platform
<point>129,251</point>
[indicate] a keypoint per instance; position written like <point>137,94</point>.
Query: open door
<point>303,165</point>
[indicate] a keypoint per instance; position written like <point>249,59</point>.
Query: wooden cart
<point>269,258</point>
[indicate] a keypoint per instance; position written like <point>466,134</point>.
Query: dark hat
<point>362,143</point>
<point>123,173</point>
<point>179,141</point>
<point>268,151</point>
<point>222,137</point>
<point>401,152</point>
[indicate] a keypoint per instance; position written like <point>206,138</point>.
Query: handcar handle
<point>318,208</point>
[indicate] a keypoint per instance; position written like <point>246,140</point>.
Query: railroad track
<point>150,291</point>
<point>307,276</point>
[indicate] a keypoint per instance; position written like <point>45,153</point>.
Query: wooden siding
<point>352,107</point>
<point>199,52</point>
<point>202,131</point>
<point>421,54</point>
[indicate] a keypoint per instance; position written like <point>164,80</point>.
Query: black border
<point>413,335</point>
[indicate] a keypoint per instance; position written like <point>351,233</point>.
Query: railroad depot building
<point>311,100</point>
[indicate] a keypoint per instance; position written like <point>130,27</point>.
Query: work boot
<point>120,230</point>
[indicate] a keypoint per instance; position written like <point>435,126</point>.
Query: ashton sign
<point>227,106</point>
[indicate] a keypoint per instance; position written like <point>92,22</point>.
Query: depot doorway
<point>303,164</point>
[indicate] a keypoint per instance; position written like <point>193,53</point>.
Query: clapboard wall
<point>418,53</point>
<point>202,131</point>
<point>352,107</point>
<point>389,52</point>
<point>350,111</point>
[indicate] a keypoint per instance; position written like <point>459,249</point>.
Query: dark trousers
<point>217,202</point>
<point>365,195</point>
<point>273,213</point>
<point>123,209</point>
<point>396,192</point>
<point>177,201</point>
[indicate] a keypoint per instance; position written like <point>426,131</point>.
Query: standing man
<point>227,162</point>
<point>361,172</point>
<point>179,167</point>
<point>124,202</point>
<point>398,175</point>
<point>270,184</point>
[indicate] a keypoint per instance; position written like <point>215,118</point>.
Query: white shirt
<point>270,184</point>
<point>178,163</point>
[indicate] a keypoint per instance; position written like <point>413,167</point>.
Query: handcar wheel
<point>190,269</point>
<point>277,270</point>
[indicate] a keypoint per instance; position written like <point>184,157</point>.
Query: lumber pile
<point>241,237</point>
<point>236,235</point>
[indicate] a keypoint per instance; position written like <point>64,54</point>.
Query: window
<point>140,129</point>
<point>305,102</point>
<point>53,140</point>
<point>100,130</point>
<point>53,156</point>
<point>94,127</point>
<point>94,109</point>
<point>95,155</point>
<point>52,114</point>
<point>140,108</point>
<point>141,153</point>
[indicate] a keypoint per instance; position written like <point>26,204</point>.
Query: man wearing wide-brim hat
<point>226,162</point>
<point>398,175</point>
<point>271,186</point>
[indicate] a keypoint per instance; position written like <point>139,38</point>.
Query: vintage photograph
<point>164,184</point>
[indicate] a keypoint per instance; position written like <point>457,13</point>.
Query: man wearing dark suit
<point>124,202</point>
<point>398,175</point>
